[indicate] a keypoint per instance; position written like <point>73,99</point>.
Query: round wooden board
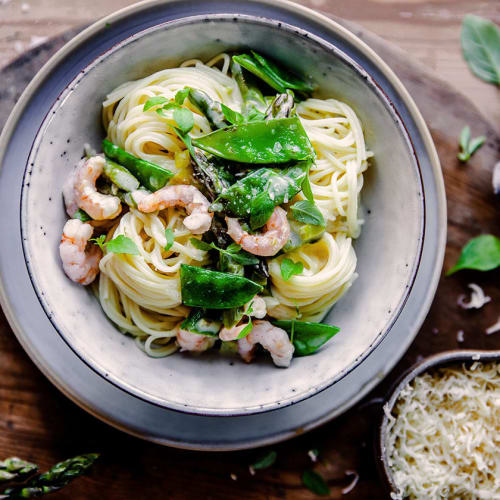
<point>38,423</point>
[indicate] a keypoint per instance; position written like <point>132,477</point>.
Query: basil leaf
<point>181,95</point>
<point>289,268</point>
<point>307,212</point>
<point>262,207</point>
<point>184,119</point>
<point>81,215</point>
<point>469,147</point>
<point>231,317</point>
<point>99,241</point>
<point>476,143</point>
<point>481,253</point>
<point>307,190</point>
<point>465,138</point>
<point>315,483</point>
<point>233,117</point>
<point>245,330</point>
<point>481,48</point>
<point>265,461</point>
<point>200,245</point>
<point>122,244</point>
<point>239,256</point>
<point>308,336</point>
<point>169,235</point>
<point>154,101</point>
<point>233,248</point>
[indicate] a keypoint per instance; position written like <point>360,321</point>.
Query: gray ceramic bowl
<point>467,356</point>
<point>388,250</point>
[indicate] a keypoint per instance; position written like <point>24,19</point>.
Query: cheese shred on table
<point>443,435</point>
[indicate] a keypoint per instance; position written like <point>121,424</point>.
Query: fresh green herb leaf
<point>200,244</point>
<point>99,241</point>
<point>261,209</point>
<point>307,190</point>
<point>246,330</point>
<point>169,235</point>
<point>265,461</point>
<point>184,119</point>
<point>308,336</point>
<point>233,117</point>
<point>481,47</point>
<point>289,268</point>
<point>233,248</point>
<point>122,244</point>
<point>469,147</point>
<point>181,96</point>
<point>239,256</point>
<point>81,215</point>
<point>315,483</point>
<point>154,101</point>
<point>481,253</point>
<point>307,212</point>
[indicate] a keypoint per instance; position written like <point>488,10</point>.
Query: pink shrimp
<point>270,242</point>
<point>189,341</point>
<point>198,220</point>
<point>80,192</point>
<point>257,308</point>
<point>79,265</point>
<point>270,337</point>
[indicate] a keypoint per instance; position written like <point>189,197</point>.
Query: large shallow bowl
<point>388,250</point>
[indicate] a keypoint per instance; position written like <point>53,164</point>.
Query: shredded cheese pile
<point>443,436</point>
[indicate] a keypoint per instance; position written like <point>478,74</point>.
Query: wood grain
<point>427,30</point>
<point>38,423</point>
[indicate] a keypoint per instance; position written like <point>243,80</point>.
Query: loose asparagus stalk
<point>54,479</point>
<point>210,108</point>
<point>15,469</point>
<point>151,176</point>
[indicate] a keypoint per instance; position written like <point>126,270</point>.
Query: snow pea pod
<point>256,195</point>
<point>307,337</point>
<point>215,290</point>
<point>151,176</point>
<point>270,141</point>
<point>277,77</point>
<point>120,176</point>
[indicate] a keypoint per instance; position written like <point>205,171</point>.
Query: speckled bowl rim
<point>307,14</point>
<point>439,360</point>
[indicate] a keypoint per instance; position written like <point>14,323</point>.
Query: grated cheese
<point>493,328</point>
<point>443,435</point>
<point>477,299</point>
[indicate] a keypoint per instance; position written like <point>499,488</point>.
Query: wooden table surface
<point>40,424</point>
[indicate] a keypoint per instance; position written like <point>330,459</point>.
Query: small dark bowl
<point>446,358</point>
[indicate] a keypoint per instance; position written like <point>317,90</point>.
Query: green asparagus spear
<point>15,469</point>
<point>120,176</point>
<point>283,106</point>
<point>151,176</point>
<point>253,101</point>
<point>54,479</point>
<point>210,108</point>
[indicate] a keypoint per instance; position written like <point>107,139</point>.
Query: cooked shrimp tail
<point>80,264</point>
<point>270,242</point>
<point>195,342</point>
<point>80,191</point>
<point>272,339</point>
<point>199,218</point>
